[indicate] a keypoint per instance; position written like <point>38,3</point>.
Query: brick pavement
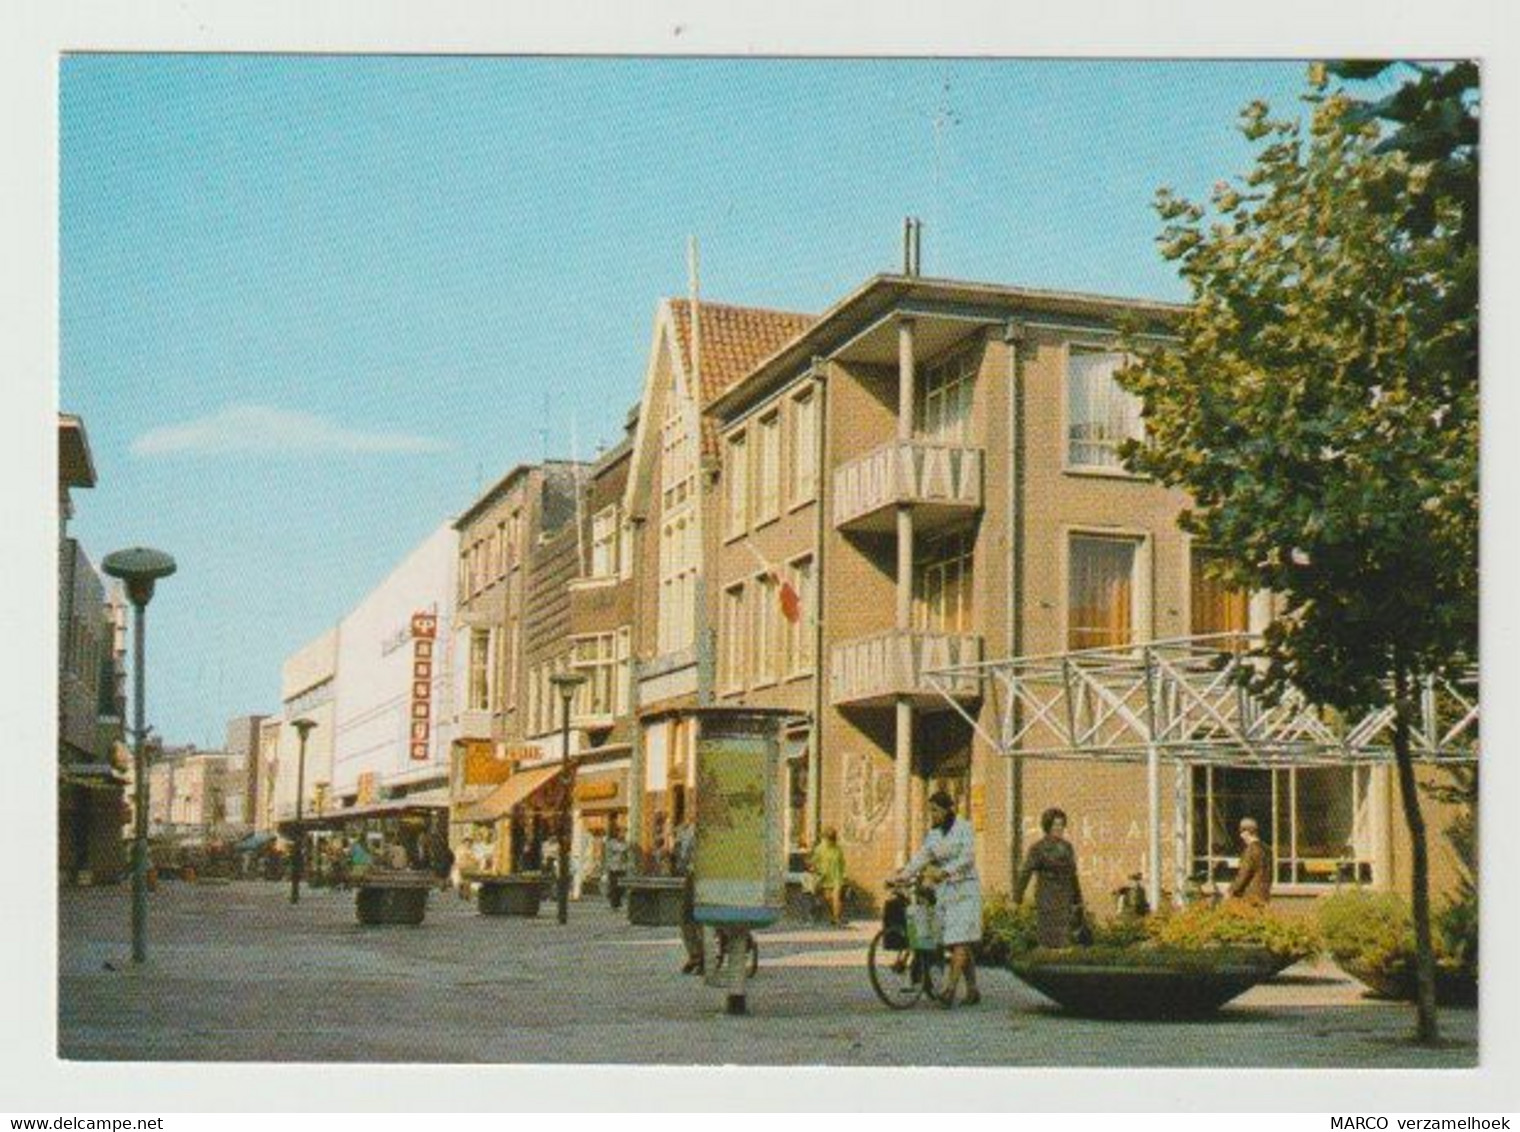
<point>237,973</point>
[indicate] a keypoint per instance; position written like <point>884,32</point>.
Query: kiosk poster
<point>734,858</point>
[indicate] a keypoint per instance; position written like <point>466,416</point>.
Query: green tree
<point>1320,405</point>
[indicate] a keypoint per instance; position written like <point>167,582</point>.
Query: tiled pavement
<point>237,973</point>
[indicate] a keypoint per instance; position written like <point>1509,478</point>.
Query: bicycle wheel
<point>896,975</point>
<point>932,971</point>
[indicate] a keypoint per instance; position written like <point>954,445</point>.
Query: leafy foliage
<point>1234,925</point>
<point>1375,930</point>
<point>1201,960</point>
<point>1008,930</point>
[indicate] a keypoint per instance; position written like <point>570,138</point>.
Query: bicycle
<point>906,960</point>
<point>727,940</point>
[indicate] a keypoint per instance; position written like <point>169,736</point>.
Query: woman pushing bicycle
<point>947,860</point>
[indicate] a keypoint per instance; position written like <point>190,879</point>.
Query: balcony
<point>941,482</point>
<point>873,671</point>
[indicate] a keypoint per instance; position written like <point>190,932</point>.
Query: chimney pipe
<point>907,245</point>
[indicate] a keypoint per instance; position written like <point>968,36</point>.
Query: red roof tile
<point>734,341</point>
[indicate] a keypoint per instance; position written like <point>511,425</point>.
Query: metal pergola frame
<point>1187,701</point>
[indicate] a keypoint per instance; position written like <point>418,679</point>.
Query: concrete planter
<point>392,901</point>
<point>510,896</point>
<point>655,902</point>
<point>1191,987</point>
<point>1453,987</point>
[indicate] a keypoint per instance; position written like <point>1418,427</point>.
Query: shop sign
<point>368,788</point>
<point>596,791</point>
<point>424,638</point>
<point>483,766</point>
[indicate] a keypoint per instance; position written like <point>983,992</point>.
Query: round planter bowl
<point>1453,988</point>
<point>655,902</point>
<point>377,904</point>
<point>515,897</point>
<point>1149,990</point>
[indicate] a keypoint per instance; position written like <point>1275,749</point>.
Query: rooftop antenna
<point>943,118</point>
<point>912,247</point>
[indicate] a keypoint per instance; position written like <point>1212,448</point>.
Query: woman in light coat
<point>947,860</point>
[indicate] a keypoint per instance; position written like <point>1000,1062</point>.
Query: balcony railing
<point>875,670</point>
<point>940,481</point>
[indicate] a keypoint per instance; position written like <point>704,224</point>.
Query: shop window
<point>1317,821</point>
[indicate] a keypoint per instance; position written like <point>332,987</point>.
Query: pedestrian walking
<point>1253,880</point>
<point>1058,895</point>
<point>615,864</point>
<point>947,860</point>
<point>683,852</point>
<point>827,868</point>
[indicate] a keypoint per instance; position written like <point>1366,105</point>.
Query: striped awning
<point>506,797</point>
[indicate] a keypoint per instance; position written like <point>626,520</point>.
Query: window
<point>1317,821</point>
<point>799,633</point>
<point>768,467</point>
<point>734,636</point>
<point>942,583</point>
<point>1099,414</point>
<point>1100,604</point>
<point>1215,607</point>
<point>944,399</point>
<point>606,542</point>
<point>622,693</point>
<point>480,680</point>
<point>501,550</point>
<point>595,658</point>
<point>804,447</point>
<point>678,457</point>
<point>679,556</point>
<point>464,575</point>
<point>736,471</point>
<point>509,662</point>
<point>767,608</point>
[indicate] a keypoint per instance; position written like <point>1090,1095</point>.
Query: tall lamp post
<point>568,684</point>
<point>298,853</point>
<point>140,568</point>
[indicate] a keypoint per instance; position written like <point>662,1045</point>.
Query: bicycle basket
<point>894,923</point>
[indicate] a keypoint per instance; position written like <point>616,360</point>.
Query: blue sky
<point>310,304</point>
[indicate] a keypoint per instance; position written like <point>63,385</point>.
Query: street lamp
<point>139,568</point>
<point>568,684</point>
<point>298,854</point>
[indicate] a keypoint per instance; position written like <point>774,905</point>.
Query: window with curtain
<point>1099,414</point>
<point>799,633</point>
<point>480,670</point>
<point>942,577</point>
<point>1214,606</point>
<point>736,472</point>
<point>804,446</point>
<point>766,603</point>
<point>735,634</point>
<point>1101,592</point>
<point>1316,819</point>
<point>768,467</point>
<point>944,399</point>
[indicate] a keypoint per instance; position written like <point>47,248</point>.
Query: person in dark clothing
<point>1058,895</point>
<point>682,860</point>
<point>1253,880</point>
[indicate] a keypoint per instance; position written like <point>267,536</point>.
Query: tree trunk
<point>1427,1029</point>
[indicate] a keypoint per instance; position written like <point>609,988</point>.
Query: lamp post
<point>140,568</point>
<point>298,853</point>
<point>568,684</point>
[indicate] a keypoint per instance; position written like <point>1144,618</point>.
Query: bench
<point>393,896</point>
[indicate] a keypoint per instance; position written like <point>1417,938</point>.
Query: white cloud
<point>271,431</point>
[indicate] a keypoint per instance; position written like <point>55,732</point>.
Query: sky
<point>310,306</point>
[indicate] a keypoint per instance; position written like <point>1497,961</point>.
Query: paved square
<point>237,973</point>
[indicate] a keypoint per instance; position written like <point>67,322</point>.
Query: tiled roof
<point>734,341</point>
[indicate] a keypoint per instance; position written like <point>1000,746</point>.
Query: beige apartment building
<point>930,472</point>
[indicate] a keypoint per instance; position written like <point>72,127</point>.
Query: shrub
<point>1457,933</point>
<point>1233,925</point>
<point>1008,930</point>
<point>1370,928</point>
<point>1201,959</point>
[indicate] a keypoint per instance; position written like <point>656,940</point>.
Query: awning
<point>515,790</point>
<point>337,819</point>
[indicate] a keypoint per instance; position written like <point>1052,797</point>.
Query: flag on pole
<point>791,600</point>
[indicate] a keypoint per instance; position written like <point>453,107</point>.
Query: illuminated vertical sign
<point>424,638</point>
